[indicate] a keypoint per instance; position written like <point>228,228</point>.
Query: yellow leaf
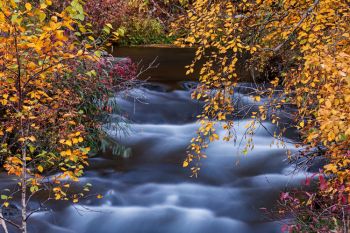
<point>31,65</point>
<point>21,139</point>
<point>80,52</point>
<point>16,160</point>
<point>331,167</point>
<point>43,6</point>
<point>28,6</point>
<point>57,196</point>
<point>185,164</point>
<point>42,16</point>
<point>13,99</point>
<point>347,98</point>
<point>60,35</point>
<point>32,138</point>
<point>40,168</point>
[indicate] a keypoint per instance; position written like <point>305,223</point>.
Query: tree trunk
<point>3,223</point>
<point>24,191</point>
<point>23,182</point>
<point>23,144</point>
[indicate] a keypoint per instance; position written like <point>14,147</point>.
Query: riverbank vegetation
<point>311,43</point>
<point>136,22</point>
<point>54,98</point>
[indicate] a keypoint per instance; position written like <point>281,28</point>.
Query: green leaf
<point>98,53</point>
<point>31,148</point>
<point>34,189</point>
<point>106,29</point>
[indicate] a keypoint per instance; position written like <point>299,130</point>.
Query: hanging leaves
<point>311,41</point>
<point>44,92</point>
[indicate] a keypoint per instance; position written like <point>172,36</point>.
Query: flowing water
<point>148,191</point>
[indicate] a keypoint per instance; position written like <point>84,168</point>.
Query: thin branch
<point>306,14</point>
<point>10,222</point>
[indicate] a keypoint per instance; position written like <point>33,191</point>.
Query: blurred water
<point>150,192</point>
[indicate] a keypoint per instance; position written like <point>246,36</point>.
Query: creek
<point>148,191</point>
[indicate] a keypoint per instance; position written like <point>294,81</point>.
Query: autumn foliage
<point>134,22</point>
<point>51,98</point>
<point>310,40</point>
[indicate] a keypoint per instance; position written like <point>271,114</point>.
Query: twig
<point>306,14</point>
<point>2,219</point>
